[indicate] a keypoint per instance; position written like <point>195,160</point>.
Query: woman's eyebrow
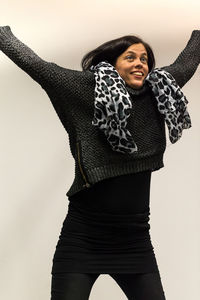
<point>144,53</point>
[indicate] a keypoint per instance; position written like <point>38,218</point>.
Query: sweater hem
<point>97,174</point>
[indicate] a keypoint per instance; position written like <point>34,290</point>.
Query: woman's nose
<point>137,62</point>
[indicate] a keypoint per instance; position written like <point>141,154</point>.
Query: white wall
<point>36,167</point>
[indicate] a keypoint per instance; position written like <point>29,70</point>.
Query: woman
<point>114,112</point>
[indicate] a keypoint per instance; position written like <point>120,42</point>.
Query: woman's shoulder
<point>76,74</point>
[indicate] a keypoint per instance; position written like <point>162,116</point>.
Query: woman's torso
<point>122,194</point>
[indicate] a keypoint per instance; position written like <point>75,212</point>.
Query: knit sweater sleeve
<point>48,74</point>
<point>184,67</point>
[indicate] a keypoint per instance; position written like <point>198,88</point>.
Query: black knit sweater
<point>72,95</point>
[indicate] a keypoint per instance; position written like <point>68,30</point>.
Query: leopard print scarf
<point>113,105</point>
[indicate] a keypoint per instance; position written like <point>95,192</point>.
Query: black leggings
<point>77,286</point>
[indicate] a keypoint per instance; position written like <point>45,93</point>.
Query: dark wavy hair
<point>110,51</point>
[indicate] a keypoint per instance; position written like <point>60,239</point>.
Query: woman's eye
<point>129,57</point>
<point>144,58</point>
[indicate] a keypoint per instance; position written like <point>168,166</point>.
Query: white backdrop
<point>36,166</point>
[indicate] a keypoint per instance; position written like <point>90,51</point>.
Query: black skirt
<point>106,229</point>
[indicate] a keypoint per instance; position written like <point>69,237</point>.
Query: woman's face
<point>132,65</point>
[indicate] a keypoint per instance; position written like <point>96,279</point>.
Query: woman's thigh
<point>142,286</point>
<point>72,286</point>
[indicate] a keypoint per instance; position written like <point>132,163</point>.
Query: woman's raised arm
<point>47,74</point>
<point>187,62</point>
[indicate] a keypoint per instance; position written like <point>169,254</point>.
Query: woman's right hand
<point>4,28</point>
<point>4,31</point>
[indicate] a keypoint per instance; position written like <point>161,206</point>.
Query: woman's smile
<point>132,65</point>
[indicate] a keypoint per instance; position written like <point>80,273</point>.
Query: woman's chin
<point>136,86</point>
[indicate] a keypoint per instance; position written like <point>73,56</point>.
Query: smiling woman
<point>106,229</point>
<point>132,65</point>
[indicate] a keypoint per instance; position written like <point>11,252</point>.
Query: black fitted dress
<point>106,229</point>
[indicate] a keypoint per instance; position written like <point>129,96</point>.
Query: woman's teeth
<point>138,73</point>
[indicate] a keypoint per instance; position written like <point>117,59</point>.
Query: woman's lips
<point>137,76</point>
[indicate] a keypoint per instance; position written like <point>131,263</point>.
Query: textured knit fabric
<point>72,94</point>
